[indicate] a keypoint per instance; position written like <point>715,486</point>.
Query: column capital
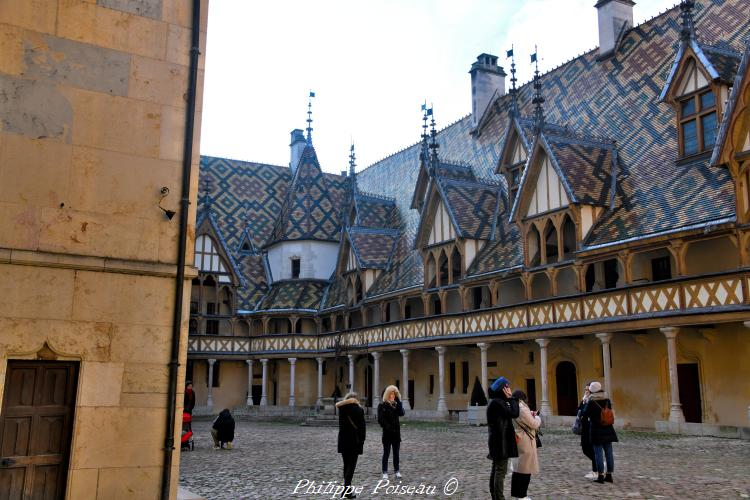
<point>320,360</point>
<point>670,331</point>
<point>292,360</point>
<point>483,346</point>
<point>604,337</point>
<point>440,349</point>
<point>350,356</point>
<point>543,343</point>
<point>377,354</point>
<point>404,352</point>
<point>250,361</point>
<point>264,361</point>
<point>211,361</point>
<point>746,324</point>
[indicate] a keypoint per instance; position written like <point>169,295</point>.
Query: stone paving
<point>271,458</point>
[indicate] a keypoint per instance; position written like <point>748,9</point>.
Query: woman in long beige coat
<point>526,425</point>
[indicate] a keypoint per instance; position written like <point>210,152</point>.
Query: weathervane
<point>538,99</point>
<point>309,117</point>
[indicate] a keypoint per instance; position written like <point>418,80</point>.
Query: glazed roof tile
<point>293,295</point>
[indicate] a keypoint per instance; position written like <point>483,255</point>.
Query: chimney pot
<point>297,146</point>
<point>486,79</point>
<point>615,16</point>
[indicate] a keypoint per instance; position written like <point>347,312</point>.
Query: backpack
<point>607,416</point>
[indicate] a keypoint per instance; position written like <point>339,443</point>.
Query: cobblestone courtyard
<point>270,458</point>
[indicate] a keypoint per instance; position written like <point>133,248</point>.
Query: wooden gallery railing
<point>636,305</point>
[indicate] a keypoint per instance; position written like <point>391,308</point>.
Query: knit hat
<point>499,383</point>
<point>595,387</point>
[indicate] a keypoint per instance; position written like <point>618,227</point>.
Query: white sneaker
<point>398,475</point>
<point>591,475</point>
<point>385,475</point>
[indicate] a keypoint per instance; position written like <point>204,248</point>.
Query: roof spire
<point>207,193</point>
<point>424,153</point>
<point>309,118</point>
<point>433,145</point>
<point>538,99</point>
<point>513,80</point>
<point>352,165</point>
<point>688,29</point>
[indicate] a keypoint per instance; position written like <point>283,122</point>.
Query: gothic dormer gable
<point>212,254</point>
<point>513,155</point>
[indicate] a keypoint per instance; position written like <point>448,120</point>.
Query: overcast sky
<point>371,64</point>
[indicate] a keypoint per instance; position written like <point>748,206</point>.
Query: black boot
<point>599,479</point>
<point>608,478</point>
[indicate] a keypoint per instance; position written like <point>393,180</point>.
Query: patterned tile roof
<point>373,247</point>
<point>473,205</point>
<point>375,211</point>
<point>311,211</point>
<point>293,294</point>
<point>618,98</point>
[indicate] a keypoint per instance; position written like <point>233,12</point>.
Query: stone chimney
<point>486,78</point>
<point>297,145</point>
<point>615,17</point>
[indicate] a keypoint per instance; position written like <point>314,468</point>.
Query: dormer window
<point>295,267</point>
<point>698,122</point>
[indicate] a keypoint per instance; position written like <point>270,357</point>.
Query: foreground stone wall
<point>92,120</point>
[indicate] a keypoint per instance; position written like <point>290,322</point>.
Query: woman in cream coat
<point>526,425</point>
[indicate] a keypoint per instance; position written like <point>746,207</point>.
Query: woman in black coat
<point>501,411</point>
<point>388,413</point>
<point>352,434</point>
<point>586,445</point>
<point>602,436</point>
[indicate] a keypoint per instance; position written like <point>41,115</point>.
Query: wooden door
<point>690,391</point>
<point>36,424</point>
<point>567,389</point>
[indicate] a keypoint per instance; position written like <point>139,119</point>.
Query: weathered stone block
<point>87,233</point>
<point>158,81</point>
<point>130,482</point>
<point>34,171</point>
<point>146,8</point>
<point>145,378</point>
<point>117,30</point>
<point>36,15</point>
<point>143,400</point>
<point>101,384</point>
<point>35,109</point>
<point>83,483</point>
<point>178,46</point>
<point>99,436</point>
<point>145,343</point>
<point>142,300</point>
<point>76,64</point>
<point>35,292</point>
<point>87,340</point>
<point>11,47</point>
<point>97,174</point>
<point>19,225</point>
<point>136,129</point>
<point>180,13</point>
<point>172,140</point>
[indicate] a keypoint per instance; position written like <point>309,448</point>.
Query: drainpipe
<point>180,279</point>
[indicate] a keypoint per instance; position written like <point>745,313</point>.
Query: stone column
<point>405,380</point>
<point>319,401</point>
<point>483,360</point>
<point>292,364</point>
<point>376,392</point>
<point>210,399</point>
<point>545,409</point>
<point>441,406</point>
<point>351,372</point>
<point>263,398</point>
<point>249,382</point>
<point>675,408</point>
<point>605,339</point>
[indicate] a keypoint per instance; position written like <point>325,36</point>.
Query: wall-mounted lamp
<point>164,192</point>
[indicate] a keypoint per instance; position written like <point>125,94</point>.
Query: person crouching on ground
<point>586,446</point>
<point>388,412</point>
<point>352,434</point>
<point>223,430</point>
<point>602,435</point>
<point>527,424</point>
<point>501,411</point>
